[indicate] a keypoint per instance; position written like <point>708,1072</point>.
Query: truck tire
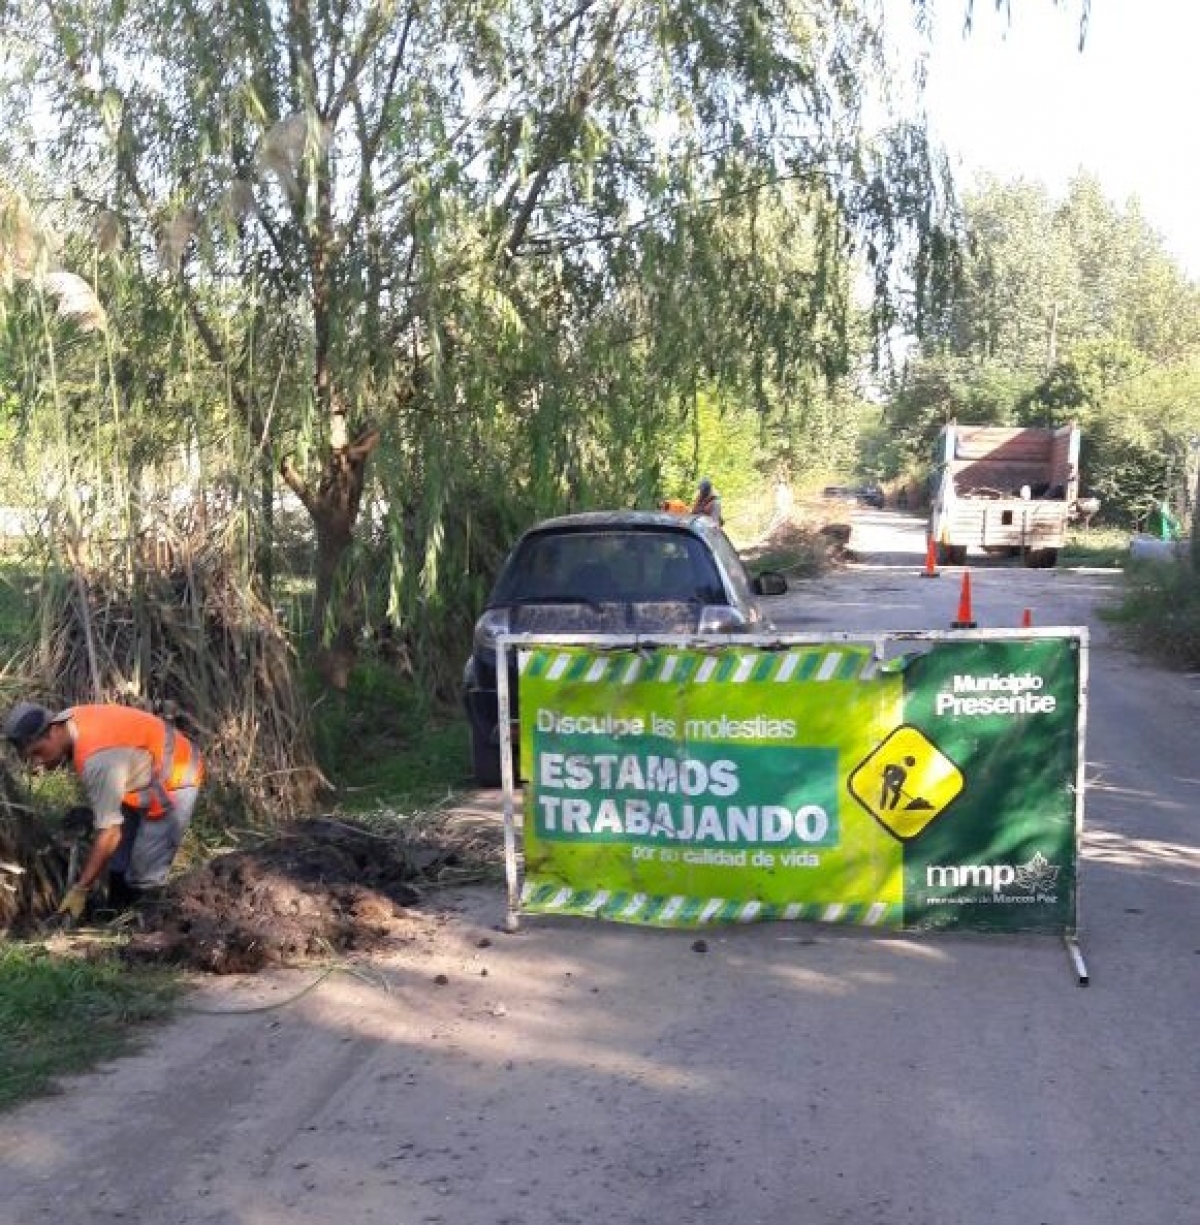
<point>1041,559</point>
<point>485,760</point>
<point>951,554</point>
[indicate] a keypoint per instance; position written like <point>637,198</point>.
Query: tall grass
<point>1160,612</point>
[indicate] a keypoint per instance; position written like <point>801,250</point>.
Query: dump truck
<point>1004,490</point>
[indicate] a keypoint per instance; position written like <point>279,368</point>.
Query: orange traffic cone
<point>964,620</point>
<point>931,570</point>
<point>1027,619</point>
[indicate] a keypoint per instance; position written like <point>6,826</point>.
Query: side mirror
<point>770,582</point>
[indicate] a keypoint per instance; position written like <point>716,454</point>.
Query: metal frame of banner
<point>878,640</point>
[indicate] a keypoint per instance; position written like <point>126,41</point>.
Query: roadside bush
<point>1161,611</point>
<point>801,546</point>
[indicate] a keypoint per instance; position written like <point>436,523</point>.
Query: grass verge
<point>1106,548</point>
<point>1160,613</point>
<point>62,1015</point>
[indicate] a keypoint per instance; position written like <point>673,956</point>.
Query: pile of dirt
<point>317,887</point>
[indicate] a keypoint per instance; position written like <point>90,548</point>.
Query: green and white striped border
<point>682,911</point>
<point>674,666</point>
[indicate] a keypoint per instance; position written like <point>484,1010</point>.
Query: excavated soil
<point>317,887</point>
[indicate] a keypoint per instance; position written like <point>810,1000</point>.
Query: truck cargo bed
<point>1004,490</point>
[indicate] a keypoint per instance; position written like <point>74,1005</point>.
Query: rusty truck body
<point>1003,490</point>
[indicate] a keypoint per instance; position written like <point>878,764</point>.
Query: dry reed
<point>184,634</point>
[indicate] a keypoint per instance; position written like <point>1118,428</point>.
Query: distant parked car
<point>607,572</point>
<point>863,495</point>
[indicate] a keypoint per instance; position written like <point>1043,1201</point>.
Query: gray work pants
<point>148,847</point>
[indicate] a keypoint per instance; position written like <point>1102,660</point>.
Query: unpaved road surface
<point>586,1073</point>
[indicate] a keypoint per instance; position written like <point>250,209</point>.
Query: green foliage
<point>521,240</point>
<point>724,443</point>
<point>944,387</point>
<point>1067,310</point>
<point>1160,612</point>
<point>1139,419</point>
<point>1098,547</point>
<point>18,603</point>
<point>381,741</point>
<point>1129,475</point>
<point>1041,277</point>
<point>60,1015</point>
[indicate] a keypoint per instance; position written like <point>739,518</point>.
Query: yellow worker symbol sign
<point>906,782</point>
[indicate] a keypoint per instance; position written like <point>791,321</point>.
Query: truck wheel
<point>1041,559</point>
<point>485,760</point>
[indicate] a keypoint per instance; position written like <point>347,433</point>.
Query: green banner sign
<point>682,786</point>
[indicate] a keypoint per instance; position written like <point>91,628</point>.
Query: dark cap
<point>26,722</point>
<point>705,485</point>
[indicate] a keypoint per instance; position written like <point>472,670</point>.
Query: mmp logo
<point>1039,875</point>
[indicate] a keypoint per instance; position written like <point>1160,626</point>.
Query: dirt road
<point>778,1073</point>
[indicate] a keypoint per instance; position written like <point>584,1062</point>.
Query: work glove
<point>74,900</point>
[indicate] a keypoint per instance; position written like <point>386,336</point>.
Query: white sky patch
<point>1021,100</point>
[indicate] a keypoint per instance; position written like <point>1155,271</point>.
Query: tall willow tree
<point>481,246</point>
<point>1070,309</point>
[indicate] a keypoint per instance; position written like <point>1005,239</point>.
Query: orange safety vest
<point>176,761</point>
<point>676,506</point>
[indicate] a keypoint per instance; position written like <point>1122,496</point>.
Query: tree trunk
<point>334,507</point>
